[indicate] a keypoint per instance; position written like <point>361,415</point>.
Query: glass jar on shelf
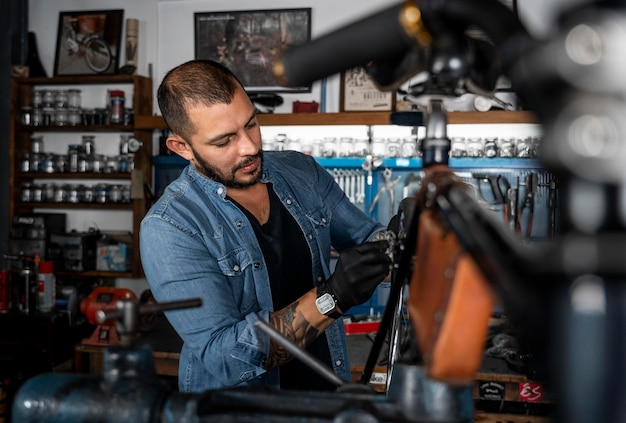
<point>475,147</point>
<point>393,148</point>
<point>379,147</point>
<point>36,193</point>
<point>36,99</point>
<point>36,118</point>
<point>409,147</point>
<point>61,116</point>
<point>36,144</point>
<point>49,163</point>
<point>88,194</point>
<point>115,193</point>
<point>346,147</point>
<point>97,163</point>
<point>60,99</point>
<point>89,144</point>
<point>101,193</point>
<point>84,163</point>
<point>74,98</point>
<point>524,147</point>
<point>36,162</point>
<point>74,117</point>
<point>506,147</point>
<point>48,192</point>
<point>126,194</point>
<point>112,164</point>
<point>73,151</point>
<point>329,147</point>
<point>60,163</point>
<point>48,116</point>
<point>27,116</point>
<point>361,147</point>
<point>26,192</point>
<point>25,163</point>
<point>60,193</point>
<point>47,98</point>
<point>73,193</point>
<point>490,148</point>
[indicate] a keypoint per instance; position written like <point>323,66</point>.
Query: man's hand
<point>358,272</point>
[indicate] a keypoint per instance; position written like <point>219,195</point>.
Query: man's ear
<point>179,146</point>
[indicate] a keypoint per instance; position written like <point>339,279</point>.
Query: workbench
<point>500,394</point>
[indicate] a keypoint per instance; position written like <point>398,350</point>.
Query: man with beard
<point>250,234</point>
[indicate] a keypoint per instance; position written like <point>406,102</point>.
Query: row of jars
<point>79,158</point>
<point>406,147</point>
<point>63,108</point>
<point>75,162</point>
<point>50,116</point>
<point>489,147</point>
<point>75,193</point>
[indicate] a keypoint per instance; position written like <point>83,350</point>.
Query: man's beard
<point>229,181</point>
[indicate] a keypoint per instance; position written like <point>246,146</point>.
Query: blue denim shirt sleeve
<point>194,243</point>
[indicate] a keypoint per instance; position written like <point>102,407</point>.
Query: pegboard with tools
<point>519,192</point>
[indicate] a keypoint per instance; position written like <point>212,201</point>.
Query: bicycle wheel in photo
<point>97,55</point>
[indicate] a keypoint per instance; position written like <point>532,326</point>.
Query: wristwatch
<point>326,303</point>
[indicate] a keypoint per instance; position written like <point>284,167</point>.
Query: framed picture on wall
<point>248,41</point>
<point>357,93</point>
<point>88,42</point>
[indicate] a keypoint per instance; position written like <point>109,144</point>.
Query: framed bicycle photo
<point>247,42</point>
<point>357,93</point>
<point>88,42</point>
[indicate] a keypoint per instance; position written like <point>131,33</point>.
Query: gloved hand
<point>358,272</point>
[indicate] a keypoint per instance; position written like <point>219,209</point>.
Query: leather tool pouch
<point>449,304</point>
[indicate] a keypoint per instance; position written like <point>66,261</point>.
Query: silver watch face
<point>325,303</point>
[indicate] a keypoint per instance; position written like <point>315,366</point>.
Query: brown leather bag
<point>449,303</point>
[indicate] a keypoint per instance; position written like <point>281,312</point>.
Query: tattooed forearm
<point>292,324</point>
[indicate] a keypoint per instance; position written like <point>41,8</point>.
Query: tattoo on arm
<point>292,324</point>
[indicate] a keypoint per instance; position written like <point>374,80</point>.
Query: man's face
<point>227,144</point>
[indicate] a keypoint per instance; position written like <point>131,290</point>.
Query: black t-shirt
<point>288,261</point>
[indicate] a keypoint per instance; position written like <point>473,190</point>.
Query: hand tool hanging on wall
<point>510,210</point>
<point>528,203</point>
<point>552,206</point>
<point>352,183</point>
<point>498,188</point>
<point>388,187</point>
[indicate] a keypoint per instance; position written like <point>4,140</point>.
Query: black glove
<point>358,272</point>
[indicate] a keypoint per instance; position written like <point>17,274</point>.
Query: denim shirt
<point>195,243</point>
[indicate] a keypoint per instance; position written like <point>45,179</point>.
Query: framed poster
<point>248,41</point>
<point>88,42</point>
<point>357,93</point>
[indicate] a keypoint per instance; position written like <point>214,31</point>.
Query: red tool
<point>103,298</point>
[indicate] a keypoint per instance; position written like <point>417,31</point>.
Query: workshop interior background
<point>166,39</point>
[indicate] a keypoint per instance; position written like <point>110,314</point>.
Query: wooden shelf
<point>80,80</point>
<point>359,118</point>
<point>72,175</point>
<point>77,128</point>
<point>20,143</point>
<point>86,206</point>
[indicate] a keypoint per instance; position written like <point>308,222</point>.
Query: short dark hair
<point>197,82</point>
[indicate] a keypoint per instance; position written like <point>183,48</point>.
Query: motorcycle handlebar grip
<point>387,33</point>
